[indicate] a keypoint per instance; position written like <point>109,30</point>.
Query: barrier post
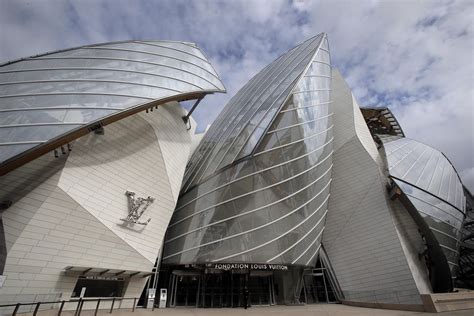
<point>97,307</point>
<point>78,305</point>
<point>36,308</point>
<point>112,306</point>
<point>61,308</point>
<point>17,307</point>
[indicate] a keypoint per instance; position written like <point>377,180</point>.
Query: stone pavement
<point>306,310</point>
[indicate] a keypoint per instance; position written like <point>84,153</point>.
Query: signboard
<point>100,277</point>
<point>249,266</point>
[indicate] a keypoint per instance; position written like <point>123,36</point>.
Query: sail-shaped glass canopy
<point>245,118</point>
<point>49,96</point>
<point>432,186</point>
<point>258,185</point>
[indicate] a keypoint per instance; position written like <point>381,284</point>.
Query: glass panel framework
<point>442,219</point>
<point>433,187</point>
<point>51,95</point>
<point>248,113</point>
<point>426,168</point>
<point>271,206</point>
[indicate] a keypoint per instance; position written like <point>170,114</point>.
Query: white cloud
<point>415,57</point>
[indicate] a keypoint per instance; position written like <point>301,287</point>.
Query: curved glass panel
<point>444,221</point>
<point>426,168</point>
<point>271,206</point>
<point>48,96</point>
<point>249,112</point>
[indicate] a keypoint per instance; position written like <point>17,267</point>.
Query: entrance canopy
<point>104,272</point>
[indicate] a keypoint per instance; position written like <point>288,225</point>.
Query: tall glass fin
<point>258,191</point>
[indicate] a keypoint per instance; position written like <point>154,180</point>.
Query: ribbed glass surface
<point>243,121</point>
<point>433,186</point>
<point>444,221</point>
<point>270,207</point>
<point>426,168</point>
<point>47,96</point>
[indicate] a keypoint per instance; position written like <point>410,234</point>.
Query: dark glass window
<point>99,287</point>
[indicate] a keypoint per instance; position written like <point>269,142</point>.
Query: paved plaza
<point>306,310</point>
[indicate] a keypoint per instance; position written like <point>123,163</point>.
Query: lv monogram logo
<point>136,208</point>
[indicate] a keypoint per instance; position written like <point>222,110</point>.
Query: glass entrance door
<point>216,290</point>
<point>227,288</point>
<point>316,287</point>
<point>261,288</point>
<point>184,289</point>
<point>237,284</point>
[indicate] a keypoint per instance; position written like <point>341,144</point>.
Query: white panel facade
<point>134,161</point>
<point>66,211</point>
<point>360,237</point>
<point>176,147</point>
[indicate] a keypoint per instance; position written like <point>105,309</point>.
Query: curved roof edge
<point>37,151</point>
<point>41,149</point>
<point>207,82</point>
<point>93,45</point>
<point>387,140</point>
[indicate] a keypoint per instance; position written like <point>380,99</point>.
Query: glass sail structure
<point>257,187</point>
<point>49,96</point>
<point>431,184</point>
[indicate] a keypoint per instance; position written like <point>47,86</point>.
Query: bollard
<point>112,307</point>
<point>61,308</point>
<point>36,308</point>
<point>97,307</point>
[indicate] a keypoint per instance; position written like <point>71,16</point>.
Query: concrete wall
<point>66,211</point>
<point>361,238</point>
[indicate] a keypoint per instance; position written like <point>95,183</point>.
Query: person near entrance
<point>246,297</point>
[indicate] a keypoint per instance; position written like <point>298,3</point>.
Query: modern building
<point>299,195</point>
<point>295,194</point>
<point>465,277</point>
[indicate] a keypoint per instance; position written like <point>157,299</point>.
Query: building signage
<point>136,208</point>
<point>250,266</point>
<point>100,277</point>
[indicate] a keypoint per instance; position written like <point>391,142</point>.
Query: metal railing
<point>78,303</point>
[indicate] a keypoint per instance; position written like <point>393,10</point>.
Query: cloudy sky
<point>416,57</point>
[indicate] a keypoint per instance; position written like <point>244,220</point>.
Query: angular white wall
<point>361,238</point>
<point>66,211</point>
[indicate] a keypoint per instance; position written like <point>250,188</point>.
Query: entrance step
<point>444,302</point>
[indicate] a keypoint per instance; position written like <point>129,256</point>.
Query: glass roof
<point>48,96</point>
